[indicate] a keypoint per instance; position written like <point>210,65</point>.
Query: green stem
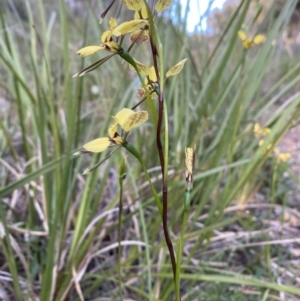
<point>136,154</point>
<point>164,156</point>
<point>121,178</point>
<point>166,147</point>
<point>165,193</point>
<point>186,206</point>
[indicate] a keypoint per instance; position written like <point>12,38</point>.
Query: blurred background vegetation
<point>59,229</point>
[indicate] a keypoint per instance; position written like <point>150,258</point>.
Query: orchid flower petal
<point>85,51</point>
<point>97,145</point>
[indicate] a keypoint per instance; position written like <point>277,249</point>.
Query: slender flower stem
<point>164,158</point>
<point>158,131</point>
<point>181,243</point>
<point>165,191</point>
<point>121,178</point>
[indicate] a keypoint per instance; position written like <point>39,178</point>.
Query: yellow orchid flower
<point>143,69</point>
<point>127,119</point>
<point>141,35</point>
<point>150,88</point>
<point>282,157</point>
<point>149,80</point>
<point>151,74</point>
<point>147,71</point>
<point>108,43</point>
<point>250,42</point>
<point>259,131</point>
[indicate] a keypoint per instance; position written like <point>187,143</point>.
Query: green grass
<point>59,234</point>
